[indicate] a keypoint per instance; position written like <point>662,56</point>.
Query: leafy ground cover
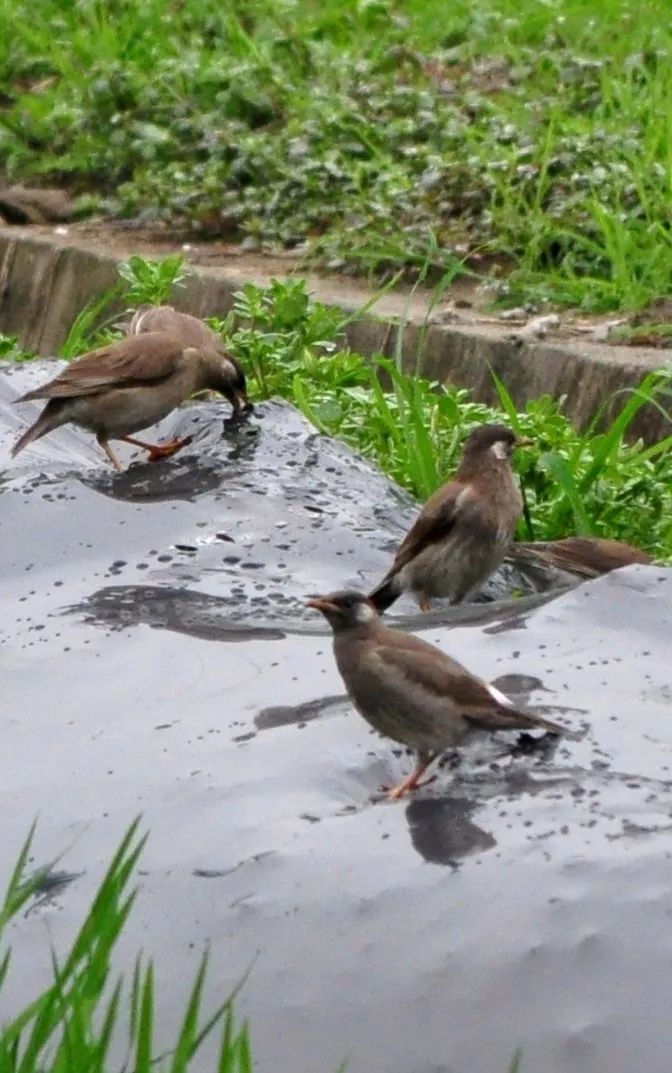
<point>598,482</point>
<point>370,135</point>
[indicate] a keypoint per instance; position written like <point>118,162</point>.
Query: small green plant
<point>516,1064</point>
<point>10,350</point>
<point>90,328</point>
<point>142,282</point>
<point>69,1025</point>
<point>150,281</point>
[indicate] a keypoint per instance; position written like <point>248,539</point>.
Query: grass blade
<point>185,1046</point>
<point>507,403</point>
<point>557,466</point>
<point>515,1064</point>
<point>145,1028</point>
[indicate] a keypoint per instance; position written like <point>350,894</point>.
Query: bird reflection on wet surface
<point>298,714</point>
<point>534,886</point>
<point>186,475</point>
<point>196,614</point>
<point>442,830</point>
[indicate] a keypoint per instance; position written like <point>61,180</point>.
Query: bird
<point>463,531</point>
<point>127,386</point>
<point>409,690</point>
<point>192,332</point>
<point>586,557</point>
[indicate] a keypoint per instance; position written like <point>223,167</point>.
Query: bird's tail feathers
<point>384,594</point>
<point>507,717</point>
<point>45,423</point>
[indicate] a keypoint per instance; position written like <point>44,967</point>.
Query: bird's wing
<point>438,517</point>
<point>191,330</point>
<point>136,360</point>
<point>421,666</point>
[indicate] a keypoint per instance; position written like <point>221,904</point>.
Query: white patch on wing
<point>499,697</point>
<point>136,323</point>
<point>499,450</point>
<point>462,497</point>
<point>365,613</point>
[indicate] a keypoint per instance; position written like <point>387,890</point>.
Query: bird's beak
<point>320,603</point>
<point>524,441</point>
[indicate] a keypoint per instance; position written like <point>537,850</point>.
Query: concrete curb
<point>47,278</point>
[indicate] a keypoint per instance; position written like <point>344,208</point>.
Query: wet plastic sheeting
<point>156,658</point>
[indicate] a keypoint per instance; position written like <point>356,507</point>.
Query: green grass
<point>366,133</point>
<point>599,482</point>
<point>70,1025</point>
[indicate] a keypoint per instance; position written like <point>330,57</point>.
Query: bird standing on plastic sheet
<point>410,690</point>
<point>124,387</point>
<point>464,530</point>
<point>192,331</point>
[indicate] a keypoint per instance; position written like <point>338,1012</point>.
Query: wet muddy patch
<point>522,899</point>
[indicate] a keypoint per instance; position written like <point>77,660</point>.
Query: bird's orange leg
<point>424,604</point>
<point>158,450</point>
<point>412,782</point>
<point>110,454</point>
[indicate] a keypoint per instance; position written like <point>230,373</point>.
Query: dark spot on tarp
<point>48,886</point>
<point>286,715</point>
<point>517,685</point>
<point>213,873</point>
<point>180,610</point>
<point>221,873</point>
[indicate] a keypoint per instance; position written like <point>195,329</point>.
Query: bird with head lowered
<point>192,331</point>
<point>124,387</point>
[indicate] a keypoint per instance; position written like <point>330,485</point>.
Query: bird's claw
<point>165,450</point>
<point>395,793</point>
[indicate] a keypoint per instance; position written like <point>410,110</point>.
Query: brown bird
<point>119,389</point>
<point>410,690</point>
<point>191,331</point>
<point>463,531</point>
<point>586,557</point>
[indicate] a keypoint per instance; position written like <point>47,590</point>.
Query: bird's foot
<point>165,450</point>
<point>412,782</point>
<point>155,451</point>
<point>395,793</point>
<point>424,604</point>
